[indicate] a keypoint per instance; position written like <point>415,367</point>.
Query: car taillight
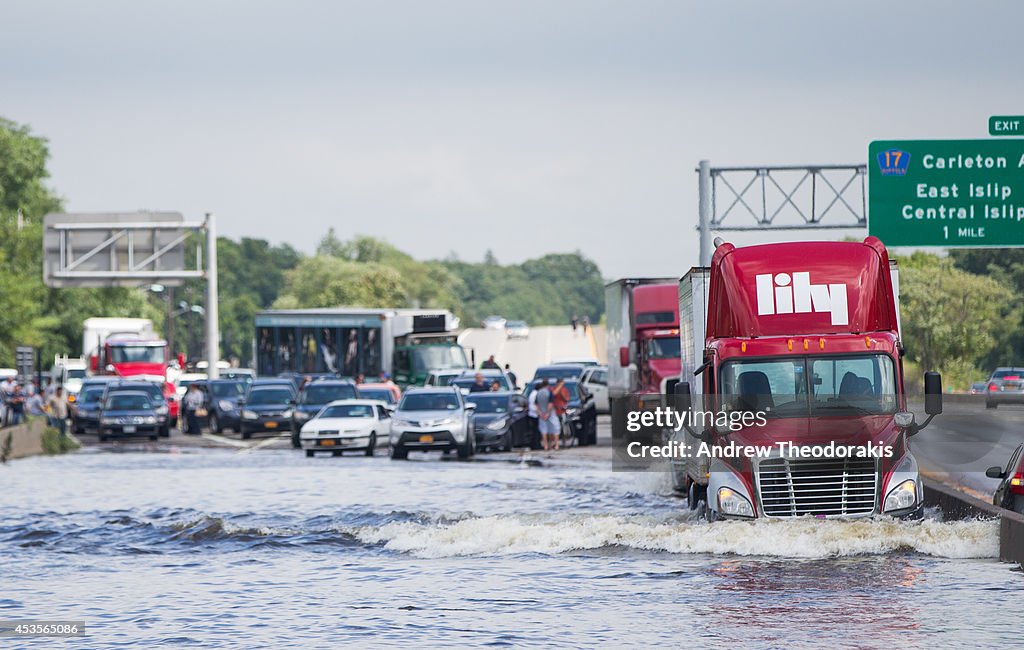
<point>1017,483</point>
<point>993,387</point>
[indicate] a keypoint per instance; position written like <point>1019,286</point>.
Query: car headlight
<point>250,415</point>
<point>302,415</point>
<point>160,410</point>
<point>108,421</point>
<point>149,419</point>
<point>571,413</point>
<point>445,421</point>
<point>902,496</point>
<point>286,414</point>
<point>226,405</point>
<point>498,425</point>
<point>400,422</point>
<point>731,502</point>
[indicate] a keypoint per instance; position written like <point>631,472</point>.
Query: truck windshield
<point>810,386</point>
<point>76,373</point>
<point>666,348</point>
<point>136,354</point>
<point>437,357</point>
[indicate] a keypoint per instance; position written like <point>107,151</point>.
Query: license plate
<point>271,425</point>
<point>129,429</point>
<point>426,438</point>
<point>326,443</point>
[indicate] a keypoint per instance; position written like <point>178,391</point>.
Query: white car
<point>595,379</point>
<point>517,329</point>
<point>347,425</point>
<point>493,323</point>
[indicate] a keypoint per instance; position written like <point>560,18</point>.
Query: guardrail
<point>957,505</point>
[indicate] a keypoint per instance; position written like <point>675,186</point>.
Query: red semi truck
<point>807,334</point>
<point>642,316</point>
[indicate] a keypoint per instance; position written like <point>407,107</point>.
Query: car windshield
<point>137,354</point>
<point>429,402</point>
<point>664,348</point>
<point>152,389</point>
<point>428,357</point>
<point>314,394</point>
<point>489,403</point>
<point>383,394</point>
<point>554,372</point>
<point>227,389</point>
<point>91,395</point>
<point>269,396</point>
<point>348,411</point>
<point>1007,374</point>
<point>466,382</point>
<point>512,324</point>
<point>127,402</point>
<point>799,387</point>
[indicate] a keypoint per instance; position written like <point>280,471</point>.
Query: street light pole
<point>212,324</point>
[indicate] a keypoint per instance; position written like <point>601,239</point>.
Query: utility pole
<point>212,324</point>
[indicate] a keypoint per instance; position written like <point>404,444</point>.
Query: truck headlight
<point>733,503</point>
<point>226,405</point>
<point>498,425</point>
<point>250,415</point>
<point>901,497</point>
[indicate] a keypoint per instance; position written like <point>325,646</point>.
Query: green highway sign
<point>1006,125</point>
<point>946,192</point>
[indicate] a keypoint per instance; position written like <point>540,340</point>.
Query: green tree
<point>950,318</point>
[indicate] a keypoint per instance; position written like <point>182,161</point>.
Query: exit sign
<point>1006,125</point>
<point>948,193</point>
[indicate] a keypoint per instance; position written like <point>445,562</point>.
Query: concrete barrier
<point>957,505</point>
<point>26,439</point>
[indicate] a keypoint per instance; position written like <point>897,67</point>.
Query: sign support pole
<point>704,211</point>
<point>212,307</point>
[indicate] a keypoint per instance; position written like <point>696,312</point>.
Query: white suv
<point>432,419</point>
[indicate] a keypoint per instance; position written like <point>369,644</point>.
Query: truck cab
<point>656,314</point>
<point>804,339</point>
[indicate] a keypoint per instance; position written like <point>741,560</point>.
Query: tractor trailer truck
<point>807,336</point>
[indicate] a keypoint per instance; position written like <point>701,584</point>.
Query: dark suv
<point>266,407</point>
<point>130,413</point>
<point>223,397</point>
<point>157,399</point>
<point>85,407</point>
<point>314,396</point>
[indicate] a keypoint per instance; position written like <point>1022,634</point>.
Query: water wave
<point>801,538</point>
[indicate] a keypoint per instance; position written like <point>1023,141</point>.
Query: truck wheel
<point>697,496</point>
<point>372,445</point>
<point>398,452</point>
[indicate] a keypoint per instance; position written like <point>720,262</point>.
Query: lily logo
<point>793,293</point>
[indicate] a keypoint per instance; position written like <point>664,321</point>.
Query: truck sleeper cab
<point>820,383</point>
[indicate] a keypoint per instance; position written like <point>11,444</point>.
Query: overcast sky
<point>458,126</point>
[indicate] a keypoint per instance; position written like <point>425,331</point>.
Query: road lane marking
<point>225,441</point>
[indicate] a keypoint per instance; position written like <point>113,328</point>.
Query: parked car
<point>129,413</point>
<point>1010,493</point>
<point>185,380</point>
<point>595,380</point>
<point>347,425</point>
<point>266,407</point>
<point>157,395</point>
<point>558,371</point>
<point>517,329</point>
<point>222,404</point>
<point>979,388</point>
<point>85,409</point>
<point>314,396</point>
<point>581,412</point>
<point>493,323</point>
<point>432,419</point>
<point>500,420</point>
<point>380,392</point>
<point>441,377</point>
<point>465,381</point>
<point>1005,386</point>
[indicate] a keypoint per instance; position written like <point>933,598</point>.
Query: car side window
<point>382,413</point>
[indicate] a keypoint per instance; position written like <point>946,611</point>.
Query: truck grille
<point>817,486</point>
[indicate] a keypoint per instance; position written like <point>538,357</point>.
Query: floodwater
<point>271,549</point>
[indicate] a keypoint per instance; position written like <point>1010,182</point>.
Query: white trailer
<point>95,331</point>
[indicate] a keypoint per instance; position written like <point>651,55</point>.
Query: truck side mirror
<point>995,472</point>
<point>624,356</point>
<point>932,393</point>
<point>683,400</point>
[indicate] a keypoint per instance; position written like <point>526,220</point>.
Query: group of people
<point>19,401</point>
<point>546,407</point>
<point>491,364</point>
<point>576,323</point>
